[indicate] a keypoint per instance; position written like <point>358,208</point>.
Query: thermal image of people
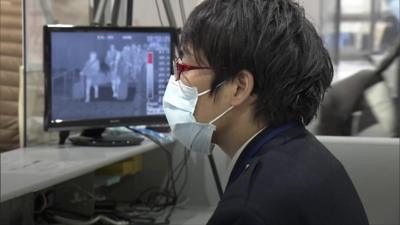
<point>91,72</point>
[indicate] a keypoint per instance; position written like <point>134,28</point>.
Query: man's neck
<point>237,134</point>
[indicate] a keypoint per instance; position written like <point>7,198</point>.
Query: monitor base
<point>106,142</point>
<point>95,137</point>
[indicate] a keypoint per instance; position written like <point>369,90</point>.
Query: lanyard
<point>253,151</point>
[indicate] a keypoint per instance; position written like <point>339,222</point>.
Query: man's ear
<point>242,85</point>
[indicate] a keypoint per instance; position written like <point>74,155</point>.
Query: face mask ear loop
<point>207,91</point>
<point>222,114</point>
<point>204,92</point>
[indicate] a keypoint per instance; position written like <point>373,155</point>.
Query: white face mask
<point>179,103</point>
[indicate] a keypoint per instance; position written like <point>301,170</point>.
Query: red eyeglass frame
<point>182,67</point>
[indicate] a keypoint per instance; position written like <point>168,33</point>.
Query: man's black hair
<point>273,40</point>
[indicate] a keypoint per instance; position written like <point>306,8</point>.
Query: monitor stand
<point>62,136</point>
<point>161,128</point>
<point>93,133</point>
<point>94,137</point>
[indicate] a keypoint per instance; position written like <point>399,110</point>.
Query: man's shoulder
<point>301,164</point>
<point>297,166</point>
<point>298,180</point>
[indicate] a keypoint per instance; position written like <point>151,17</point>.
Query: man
<point>252,75</point>
<point>112,59</point>
<point>124,71</point>
<point>91,71</point>
<point>138,56</point>
<point>136,61</point>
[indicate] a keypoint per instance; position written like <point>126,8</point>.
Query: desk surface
<point>32,169</point>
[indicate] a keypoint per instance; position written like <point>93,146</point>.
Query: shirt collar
<point>236,157</point>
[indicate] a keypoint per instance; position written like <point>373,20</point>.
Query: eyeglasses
<point>181,67</point>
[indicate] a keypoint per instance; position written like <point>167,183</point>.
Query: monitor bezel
<point>94,123</point>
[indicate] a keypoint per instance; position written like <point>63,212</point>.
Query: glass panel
<point>387,27</point>
<point>328,26</point>
<point>356,7</point>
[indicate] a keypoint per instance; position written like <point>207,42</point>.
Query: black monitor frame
<point>94,123</point>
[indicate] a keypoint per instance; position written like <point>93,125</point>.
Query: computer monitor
<point>105,76</point>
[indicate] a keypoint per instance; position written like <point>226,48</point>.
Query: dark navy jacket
<point>293,179</point>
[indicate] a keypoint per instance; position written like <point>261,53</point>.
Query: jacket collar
<point>283,137</point>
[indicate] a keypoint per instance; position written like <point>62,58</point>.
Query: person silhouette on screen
<point>91,72</point>
<point>112,59</point>
<point>133,56</point>
<point>124,71</point>
<point>137,60</point>
<point>138,57</point>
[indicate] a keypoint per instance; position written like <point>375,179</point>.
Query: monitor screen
<point>105,76</point>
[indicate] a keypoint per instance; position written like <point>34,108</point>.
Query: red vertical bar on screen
<point>149,58</point>
<point>150,75</point>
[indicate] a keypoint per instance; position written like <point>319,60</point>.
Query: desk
<point>32,169</point>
